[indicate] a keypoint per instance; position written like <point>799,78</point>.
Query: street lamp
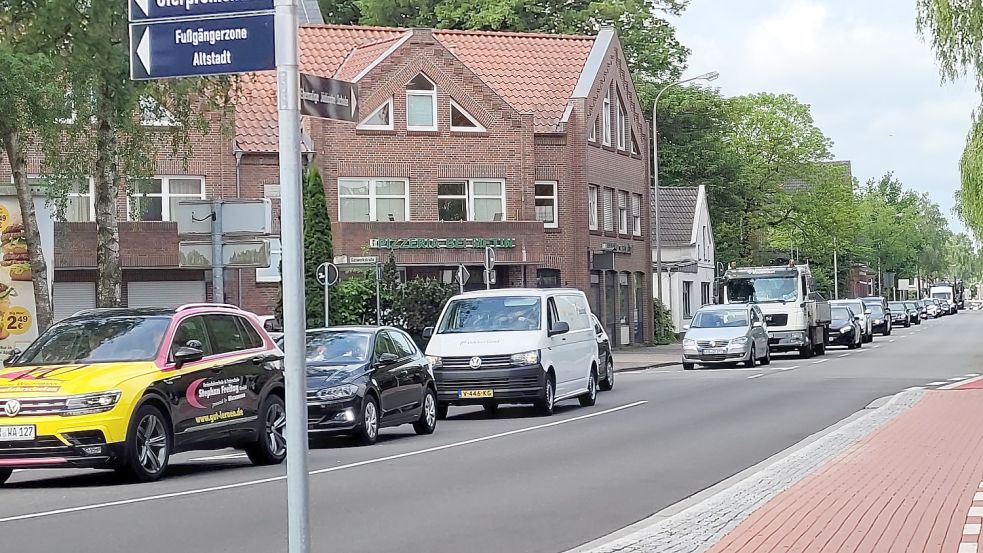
<point>711,76</point>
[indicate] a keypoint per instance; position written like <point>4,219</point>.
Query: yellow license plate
<point>467,394</point>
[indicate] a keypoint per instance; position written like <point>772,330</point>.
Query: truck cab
<point>796,315</point>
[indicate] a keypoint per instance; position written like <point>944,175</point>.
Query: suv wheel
<point>607,384</point>
<point>546,405</point>
<point>589,398</point>
<point>428,414</point>
<point>148,445</point>
<point>271,446</point>
<point>5,475</point>
<point>368,429</point>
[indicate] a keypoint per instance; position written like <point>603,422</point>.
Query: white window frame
<point>608,197</point>
<point>373,197</point>
<point>165,195</point>
<point>622,212</point>
<point>636,215</point>
<point>622,123</point>
<point>478,127</point>
<point>470,196</point>
<point>432,94</point>
<point>271,273</point>
<point>606,120</point>
<point>387,105</point>
<point>91,195</point>
<point>592,135</point>
<point>592,192</point>
<point>556,205</point>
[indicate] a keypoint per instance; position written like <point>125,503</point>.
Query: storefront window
<point>548,278</point>
<point>610,300</point>
<point>624,291</point>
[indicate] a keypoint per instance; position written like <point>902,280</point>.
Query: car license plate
<point>714,351</point>
<point>467,394</point>
<point>20,433</point>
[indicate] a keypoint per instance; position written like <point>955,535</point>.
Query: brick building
<point>534,144</point>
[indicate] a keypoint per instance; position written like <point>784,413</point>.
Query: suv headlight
<point>846,328</point>
<point>525,358</point>
<point>435,361</point>
<point>689,342</point>
<point>87,404</point>
<point>739,341</point>
<point>344,391</point>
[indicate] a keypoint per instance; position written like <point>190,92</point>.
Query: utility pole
<point>836,273</point>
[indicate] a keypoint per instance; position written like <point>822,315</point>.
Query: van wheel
<point>148,445</point>
<point>442,411</point>
<point>590,398</point>
<point>5,475</point>
<point>546,405</point>
<point>608,383</point>
<point>688,366</point>
<point>490,408</point>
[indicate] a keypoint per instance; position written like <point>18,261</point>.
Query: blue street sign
<point>145,10</point>
<point>217,46</point>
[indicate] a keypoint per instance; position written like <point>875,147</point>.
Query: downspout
<point>238,154</point>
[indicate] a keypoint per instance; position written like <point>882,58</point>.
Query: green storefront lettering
<point>419,243</point>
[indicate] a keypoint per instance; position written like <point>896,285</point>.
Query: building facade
<point>532,144</point>
<point>688,260</point>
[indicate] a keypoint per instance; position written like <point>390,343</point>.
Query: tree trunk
<point>109,276</point>
<point>39,269</point>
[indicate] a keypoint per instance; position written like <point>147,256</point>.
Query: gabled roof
<point>534,73</point>
<point>677,211</point>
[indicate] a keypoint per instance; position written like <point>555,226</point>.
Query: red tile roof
<point>535,73</point>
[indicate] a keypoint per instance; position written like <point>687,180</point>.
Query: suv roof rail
<point>205,304</point>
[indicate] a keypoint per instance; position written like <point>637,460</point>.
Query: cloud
<point>871,81</point>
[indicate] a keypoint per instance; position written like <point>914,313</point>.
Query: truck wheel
<point>805,352</point>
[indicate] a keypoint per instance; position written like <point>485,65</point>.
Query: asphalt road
<point>515,482</point>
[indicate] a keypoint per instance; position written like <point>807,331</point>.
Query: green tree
<point>106,137</point>
<point>29,101</point>
<point>420,303</point>
<point>650,43</point>
<point>318,247</point>
<point>962,259</point>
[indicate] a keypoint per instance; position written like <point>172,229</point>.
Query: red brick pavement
<point>908,487</point>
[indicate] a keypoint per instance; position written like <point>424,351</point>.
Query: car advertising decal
<point>212,393</point>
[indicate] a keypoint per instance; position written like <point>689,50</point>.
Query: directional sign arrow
<point>143,51</point>
<point>354,102</point>
<point>144,6</point>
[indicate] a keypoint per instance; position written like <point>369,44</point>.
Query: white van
<point>512,346</point>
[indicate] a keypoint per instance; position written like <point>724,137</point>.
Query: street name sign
<point>145,10</point>
<point>216,46</point>
<point>328,98</point>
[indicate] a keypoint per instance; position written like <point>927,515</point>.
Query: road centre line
<point>820,361</point>
<point>843,355</point>
<point>249,483</point>
<point>755,376</point>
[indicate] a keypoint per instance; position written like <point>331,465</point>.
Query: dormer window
<point>380,119</point>
<point>421,104</point>
<point>462,121</point>
<point>606,120</point>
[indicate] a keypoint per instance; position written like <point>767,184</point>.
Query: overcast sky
<point>871,81</point>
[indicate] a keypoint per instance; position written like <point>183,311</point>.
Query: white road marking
<point>957,378</point>
<point>978,496</point>
<point>935,383</point>
<point>249,483</point>
<point>914,388</point>
<point>891,341</point>
<point>222,457</point>
<point>971,375</point>
<point>820,361</point>
<point>793,367</point>
<point>844,355</point>
<point>875,346</point>
<point>755,376</point>
<point>966,547</point>
<point>971,529</point>
<point>975,512</point>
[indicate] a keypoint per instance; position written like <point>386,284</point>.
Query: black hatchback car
<point>364,378</point>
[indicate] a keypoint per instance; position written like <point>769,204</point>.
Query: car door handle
<point>260,359</point>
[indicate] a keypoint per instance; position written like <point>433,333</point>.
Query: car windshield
<point>337,346</point>
<point>897,307</point>
<point>842,314</point>
<point>492,314</point>
<point>942,295</point>
<point>910,305</point>
<point>762,289</point>
<point>98,341</point>
<point>720,318</point>
<point>876,311</point>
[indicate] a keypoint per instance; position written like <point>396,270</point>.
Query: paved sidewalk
<point>907,477</point>
<point>646,357</point>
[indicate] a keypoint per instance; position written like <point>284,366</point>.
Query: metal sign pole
<point>218,268</point>
<point>292,237</point>
<point>327,303</point>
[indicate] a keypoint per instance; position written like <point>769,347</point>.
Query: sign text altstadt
<point>440,243</point>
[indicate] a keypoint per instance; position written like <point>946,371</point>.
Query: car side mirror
<point>559,327</point>
<point>427,333</point>
<point>386,359</point>
<point>685,327</point>
<point>758,324</point>
<point>12,358</point>
<point>187,354</point>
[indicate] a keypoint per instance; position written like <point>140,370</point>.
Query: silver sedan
<point>733,333</point>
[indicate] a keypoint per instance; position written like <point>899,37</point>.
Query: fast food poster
<point>18,310</point>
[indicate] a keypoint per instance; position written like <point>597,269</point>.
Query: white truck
<point>797,317</point>
<point>947,293</point>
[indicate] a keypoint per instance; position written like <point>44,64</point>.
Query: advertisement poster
<point>17,308</point>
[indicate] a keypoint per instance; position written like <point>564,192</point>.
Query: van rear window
<point>492,314</point>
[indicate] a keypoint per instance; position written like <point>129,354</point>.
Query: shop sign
<point>440,243</point>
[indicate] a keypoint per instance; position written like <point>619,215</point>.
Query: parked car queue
<point>733,334</point>
<point>126,389</point>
